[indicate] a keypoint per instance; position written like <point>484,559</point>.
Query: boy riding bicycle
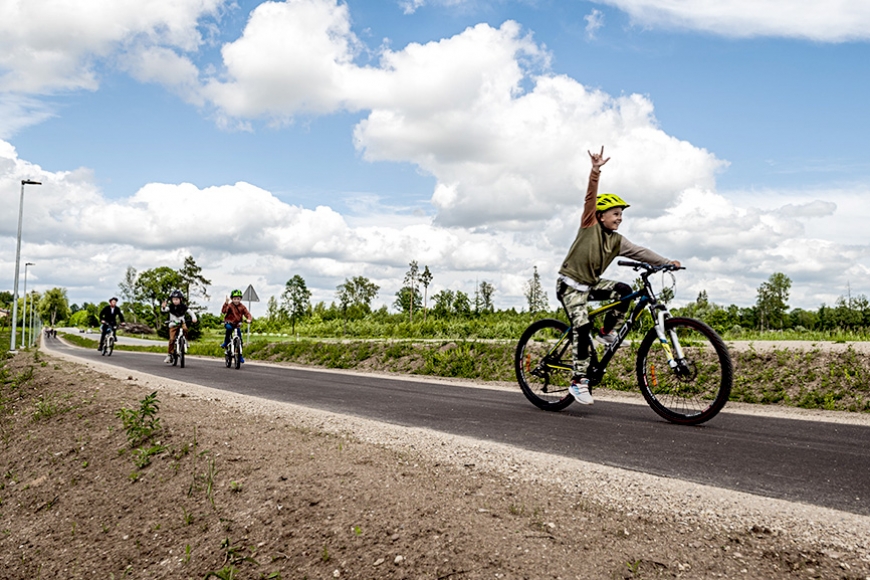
<point>234,312</point>
<point>177,311</point>
<point>597,244</point>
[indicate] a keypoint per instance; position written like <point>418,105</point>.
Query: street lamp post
<point>24,310</point>
<point>18,260</point>
<point>32,321</point>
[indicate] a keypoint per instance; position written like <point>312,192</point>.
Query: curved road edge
<point>628,397</point>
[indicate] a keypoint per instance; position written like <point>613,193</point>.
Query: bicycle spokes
<point>690,388</point>
<point>543,364</point>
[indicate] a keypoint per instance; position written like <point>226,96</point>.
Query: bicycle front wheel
<point>697,388</point>
<point>543,364</point>
<point>182,348</point>
<point>110,347</point>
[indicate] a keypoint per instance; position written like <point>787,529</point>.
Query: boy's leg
<point>173,331</point>
<point>611,290</point>
<point>574,303</point>
<point>227,335</point>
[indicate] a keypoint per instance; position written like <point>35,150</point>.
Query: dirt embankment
<point>226,487</point>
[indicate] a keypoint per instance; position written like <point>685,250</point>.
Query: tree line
<point>771,311</point>
<point>143,292</point>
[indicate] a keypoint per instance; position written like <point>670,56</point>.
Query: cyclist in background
<point>597,244</point>
<point>177,311</point>
<point>234,312</point>
<point>110,317</point>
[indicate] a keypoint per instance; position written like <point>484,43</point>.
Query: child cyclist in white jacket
<point>177,311</point>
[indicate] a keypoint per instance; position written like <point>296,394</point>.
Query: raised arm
<point>598,160</point>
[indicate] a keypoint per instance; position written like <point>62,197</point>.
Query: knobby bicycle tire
<point>699,387</point>
<point>542,374</point>
<point>110,347</point>
<point>237,355</point>
<point>182,346</point>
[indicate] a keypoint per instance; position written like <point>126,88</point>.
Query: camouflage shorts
<point>574,301</point>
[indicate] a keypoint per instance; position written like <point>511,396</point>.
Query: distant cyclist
<point>234,312</point>
<point>110,317</point>
<point>597,244</point>
<point>177,311</point>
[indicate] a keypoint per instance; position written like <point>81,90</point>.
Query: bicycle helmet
<point>610,200</point>
<point>176,294</point>
<point>235,293</point>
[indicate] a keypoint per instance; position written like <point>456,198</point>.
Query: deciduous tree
<point>53,306</point>
<point>772,302</point>
<point>535,295</point>
<point>297,299</point>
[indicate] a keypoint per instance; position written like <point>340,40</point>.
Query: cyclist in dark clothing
<point>110,317</point>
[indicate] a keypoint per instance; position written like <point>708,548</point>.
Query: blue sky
<point>740,131</point>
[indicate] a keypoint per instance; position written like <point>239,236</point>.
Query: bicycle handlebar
<point>648,267</point>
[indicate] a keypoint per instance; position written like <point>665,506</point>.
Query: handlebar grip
<point>629,264</point>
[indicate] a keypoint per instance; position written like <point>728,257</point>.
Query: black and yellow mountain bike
<point>683,367</point>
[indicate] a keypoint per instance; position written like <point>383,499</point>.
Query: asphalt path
<point>819,463</point>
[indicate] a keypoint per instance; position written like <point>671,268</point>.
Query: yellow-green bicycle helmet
<point>609,200</point>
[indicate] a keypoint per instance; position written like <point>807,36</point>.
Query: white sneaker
<point>606,339</point>
<point>168,360</point>
<point>580,390</point>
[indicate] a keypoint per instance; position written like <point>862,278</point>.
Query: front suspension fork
<point>672,347</point>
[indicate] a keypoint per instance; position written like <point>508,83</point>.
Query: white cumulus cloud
<point>505,139</point>
<point>50,45</point>
<point>830,21</point>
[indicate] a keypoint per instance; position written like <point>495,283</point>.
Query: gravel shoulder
<point>507,512</point>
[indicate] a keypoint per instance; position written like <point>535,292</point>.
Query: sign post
<point>251,296</point>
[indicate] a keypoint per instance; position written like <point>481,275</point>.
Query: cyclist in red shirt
<point>234,312</point>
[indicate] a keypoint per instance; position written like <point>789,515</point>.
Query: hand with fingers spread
<point>598,159</point>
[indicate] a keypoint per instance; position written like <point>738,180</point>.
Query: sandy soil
<point>246,488</point>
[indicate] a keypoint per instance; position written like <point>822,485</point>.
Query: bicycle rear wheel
<point>697,389</point>
<point>543,364</point>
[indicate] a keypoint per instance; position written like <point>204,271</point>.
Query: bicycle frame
<point>231,345</point>
<point>646,301</point>
<point>179,339</point>
<point>109,330</point>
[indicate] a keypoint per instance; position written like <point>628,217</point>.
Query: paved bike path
<point>819,463</point>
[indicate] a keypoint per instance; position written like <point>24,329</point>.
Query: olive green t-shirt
<point>593,250</point>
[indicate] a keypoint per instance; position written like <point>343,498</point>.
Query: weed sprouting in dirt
<point>143,423</point>
<point>225,573</point>
<point>22,378</point>
<point>210,481</point>
<point>46,408</point>
<point>142,456</point>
